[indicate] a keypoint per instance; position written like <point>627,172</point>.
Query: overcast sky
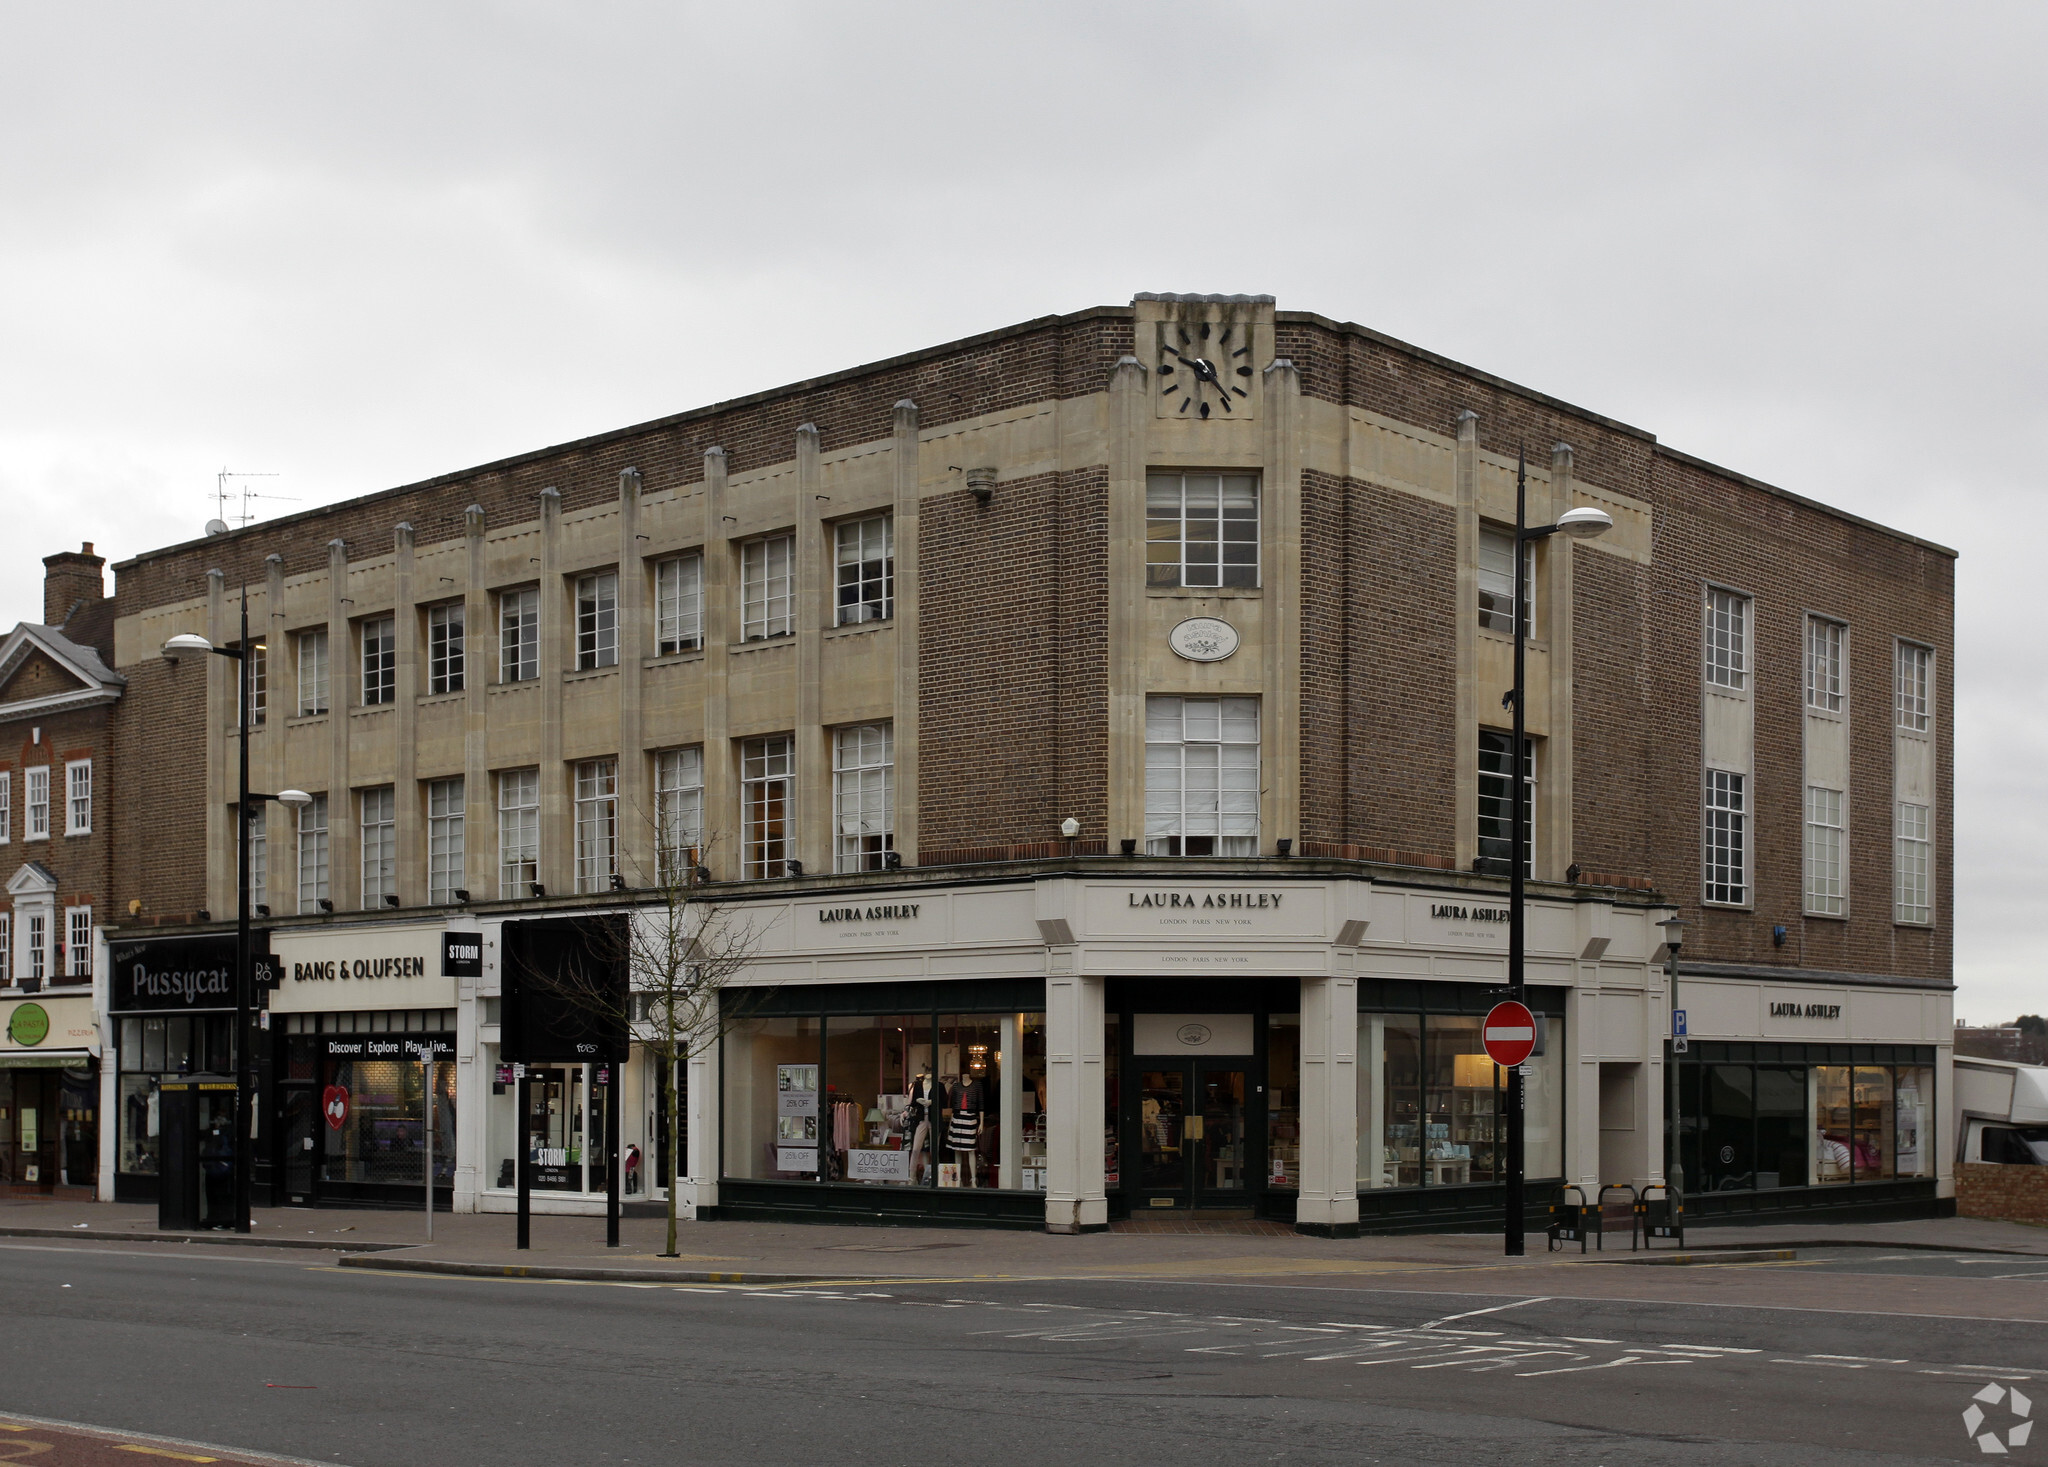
<point>355,245</point>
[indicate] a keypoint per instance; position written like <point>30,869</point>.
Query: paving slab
<point>770,1251</point>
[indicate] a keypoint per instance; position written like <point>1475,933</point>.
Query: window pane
<point>1782,1129</point>
<point>1496,807</point>
<point>679,811</point>
<point>518,635</point>
<point>1833,1122</point>
<point>774,1099</point>
<point>866,571</point>
<point>1914,865</point>
<point>765,597</point>
<point>380,661</point>
<point>1727,636</point>
<point>1202,530</point>
<point>597,824</point>
<point>518,832</point>
<point>380,846</point>
<point>445,839</point>
<point>864,813</point>
<point>1726,839</point>
<point>1462,1105</point>
<point>1914,1112</point>
<point>597,621</point>
<point>1201,776</point>
<point>766,791</point>
<point>1825,890</point>
<point>679,604</point>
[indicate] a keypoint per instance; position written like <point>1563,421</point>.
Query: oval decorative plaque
<point>1194,1035</point>
<point>1203,639</point>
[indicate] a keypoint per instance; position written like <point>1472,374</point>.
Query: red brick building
<point>59,705</point>
<point>1227,588</point>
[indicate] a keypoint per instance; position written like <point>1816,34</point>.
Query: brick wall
<point>158,735</point>
<point>79,862</point>
<point>1013,702</point>
<point>1378,667</point>
<point>2009,1193</point>
<point>1637,707</point>
<point>1048,359</point>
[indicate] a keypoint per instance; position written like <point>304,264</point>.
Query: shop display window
<point>1283,1100</point>
<point>564,1132</point>
<point>382,1130</point>
<point>1112,1061</point>
<point>153,1046</point>
<point>1768,1124</point>
<point>917,1100</point>
<point>1430,1103</point>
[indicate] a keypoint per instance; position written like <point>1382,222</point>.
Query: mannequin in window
<point>926,1100</point>
<point>964,1129</point>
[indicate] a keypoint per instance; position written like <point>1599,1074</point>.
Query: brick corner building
<point>1229,588</point>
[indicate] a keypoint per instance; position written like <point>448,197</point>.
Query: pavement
<point>765,1252</point>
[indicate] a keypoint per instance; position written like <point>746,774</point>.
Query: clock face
<point>1205,369</point>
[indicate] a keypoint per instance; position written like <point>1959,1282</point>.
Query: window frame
<point>863,796</point>
<point>524,829</point>
<point>594,792</point>
<point>447,648</point>
<point>6,948</point>
<point>771,622</point>
<point>313,832</point>
<point>1175,842</point>
<point>381,799</point>
<point>73,800</point>
<point>1490,615</point>
<point>597,620</point>
<point>1739,669</point>
<point>1737,825</point>
<point>770,783</point>
<point>1926,714</point>
<point>1826,667</point>
<point>447,838</point>
<point>378,660</point>
<point>1491,865</point>
<point>252,681</point>
<point>6,806</point>
<point>519,639</point>
<point>869,595</point>
<point>678,812</point>
<point>1825,883</point>
<point>679,608</point>
<point>1901,841</point>
<point>77,955</point>
<point>1249,570</point>
<point>35,812</point>
<point>36,943</point>
<point>315,689</point>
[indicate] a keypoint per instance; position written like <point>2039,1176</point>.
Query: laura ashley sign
<point>1451,912</point>
<point>1240,900</point>
<point>1806,1011</point>
<point>897,912</point>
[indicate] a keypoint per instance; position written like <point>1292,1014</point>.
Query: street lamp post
<point>1581,523</point>
<point>1674,1161</point>
<point>246,802</point>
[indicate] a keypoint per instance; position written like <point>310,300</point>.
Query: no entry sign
<point>1509,1034</point>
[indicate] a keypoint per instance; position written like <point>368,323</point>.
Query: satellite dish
<point>216,527</point>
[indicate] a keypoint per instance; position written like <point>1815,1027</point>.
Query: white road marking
<point>1495,1309</point>
<point>1837,1364</point>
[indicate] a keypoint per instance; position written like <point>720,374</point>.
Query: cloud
<point>358,245</point>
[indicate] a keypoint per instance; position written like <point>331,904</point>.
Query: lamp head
<point>185,642</point>
<point>1070,827</point>
<point>294,799</point>
<point>1674,932</point>
<point>1584,522</point>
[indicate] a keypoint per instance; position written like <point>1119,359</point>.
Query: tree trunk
<point>675,1135</point>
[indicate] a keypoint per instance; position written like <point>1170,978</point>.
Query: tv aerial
<point>243,515</point>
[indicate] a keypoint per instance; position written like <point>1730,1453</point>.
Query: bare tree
<point>681,942</point>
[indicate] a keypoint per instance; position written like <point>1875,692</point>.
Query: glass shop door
<point>1194,1145</point>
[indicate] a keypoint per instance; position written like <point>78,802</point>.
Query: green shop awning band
<point>55,1059</point>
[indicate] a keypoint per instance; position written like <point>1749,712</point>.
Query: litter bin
<point>196,1179</point>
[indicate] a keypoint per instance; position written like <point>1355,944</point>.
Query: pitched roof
<point>96,682</point>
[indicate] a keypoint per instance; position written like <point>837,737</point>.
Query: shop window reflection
<point>1430,1103</point>
<point>952,1101</point>
<point>1283,1100</point>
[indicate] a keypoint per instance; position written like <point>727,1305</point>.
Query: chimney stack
<point>71,579</point>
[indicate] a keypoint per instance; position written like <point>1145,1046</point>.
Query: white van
<point>2001,1112</point>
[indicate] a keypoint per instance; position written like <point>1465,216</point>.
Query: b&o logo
<point>2017,1410</point>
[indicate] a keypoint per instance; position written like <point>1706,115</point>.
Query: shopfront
<point>49,1095</point>
<point>1060,1051</point>
<point>171,1011</point>
<point>364,1037</point>
<point>1813,1098</point>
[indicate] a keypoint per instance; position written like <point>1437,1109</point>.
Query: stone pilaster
<point>1130,416</point>
<point>1281,733</point>
<point>407,796</point>
<point>557,633</point>
<point>344,871</point>
<point>1466,624</point>
<point>479,671</point>
<point>636,805</point>
<point>903,448</point>
<point>813,600</point>
<point>721,796</point>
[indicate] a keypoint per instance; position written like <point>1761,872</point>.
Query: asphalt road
<point>296,1357</point>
